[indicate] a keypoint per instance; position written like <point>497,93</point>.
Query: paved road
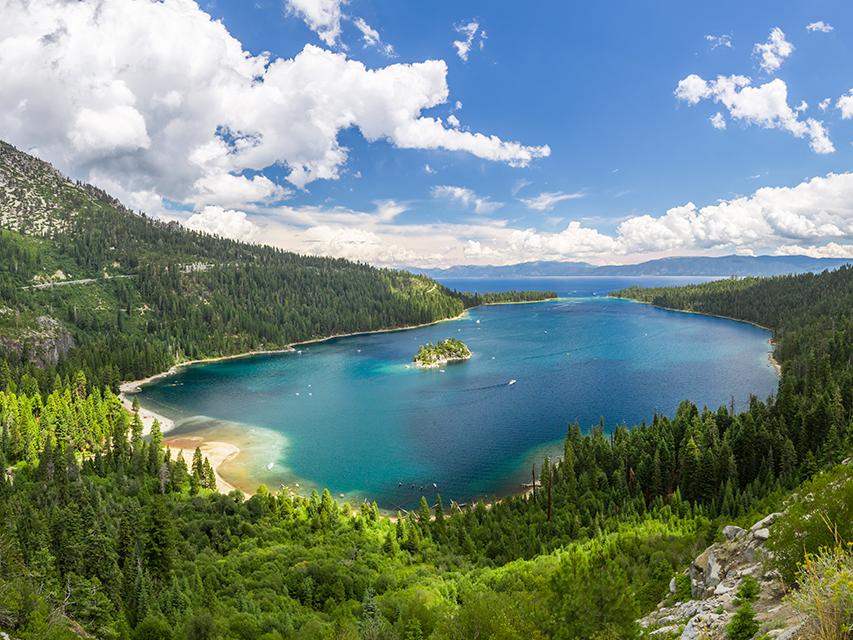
<point>65,283</point>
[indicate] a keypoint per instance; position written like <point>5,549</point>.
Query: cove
<point>351,415</point>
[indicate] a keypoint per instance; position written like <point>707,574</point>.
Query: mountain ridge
<point>722,266</point>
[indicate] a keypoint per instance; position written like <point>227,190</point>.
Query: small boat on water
<point>270,465</point>
<point>513,381</point>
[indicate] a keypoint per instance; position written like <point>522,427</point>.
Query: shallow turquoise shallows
<point>350,414</point>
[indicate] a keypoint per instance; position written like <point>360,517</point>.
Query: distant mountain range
<point>723,266</point>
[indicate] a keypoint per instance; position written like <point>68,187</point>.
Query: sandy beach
<point>216,452</point>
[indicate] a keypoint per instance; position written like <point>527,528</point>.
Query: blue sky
<point>605,148</point>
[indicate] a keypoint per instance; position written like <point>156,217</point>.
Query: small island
<point>430,356</point>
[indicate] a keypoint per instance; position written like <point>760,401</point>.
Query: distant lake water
<point>350,415</point>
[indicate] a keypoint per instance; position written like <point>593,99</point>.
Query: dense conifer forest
<point>104,533</point>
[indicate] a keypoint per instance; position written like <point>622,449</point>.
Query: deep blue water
<point>349,414</point>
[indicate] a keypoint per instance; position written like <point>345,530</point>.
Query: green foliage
<point>743,625</point>
<point>683,588</point>
<point>102,528</point>
<point>821,513</point>
<point>430,355</point>
<point>825,595</point>
<point>748,590</point>
<point>504,297</point>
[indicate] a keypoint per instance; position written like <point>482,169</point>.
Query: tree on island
<point>432,355</point>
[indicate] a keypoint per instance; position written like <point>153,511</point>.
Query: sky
<point>432,134</point>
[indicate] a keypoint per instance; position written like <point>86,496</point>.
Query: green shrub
<point>743,625</point>
<point>803,529</point>
<point>683,588</point>
<point>825,595</point>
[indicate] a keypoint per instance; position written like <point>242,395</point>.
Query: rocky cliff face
<point>715,576</point>
<point>43,344</point>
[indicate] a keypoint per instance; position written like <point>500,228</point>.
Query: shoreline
<point>495,304</point>
<point>771,356</point>
<point>219,451</point>
<point>167,424</point>
<point>216,451</point>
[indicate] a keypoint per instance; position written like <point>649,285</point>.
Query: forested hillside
<point>103,532</point>
<point>86,284</point>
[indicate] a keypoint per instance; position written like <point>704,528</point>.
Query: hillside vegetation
<point>105,534</point>
<point>434,355</point>
<point>155,293</point>
<point>103,530</point>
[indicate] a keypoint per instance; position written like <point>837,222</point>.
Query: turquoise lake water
<point>350,415</point>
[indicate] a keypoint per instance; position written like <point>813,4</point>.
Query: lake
<point>352,415</point>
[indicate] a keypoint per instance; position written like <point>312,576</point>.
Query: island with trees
<point>431,356</point>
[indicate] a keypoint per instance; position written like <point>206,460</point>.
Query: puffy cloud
<point>114,130</point>
<point>814,217</point>
<point>468,31</point>
<point>453,121</point>
<point>719,41</point>
<point>820,209</point>
<point>845,104</point>
<point>830,250</point>
<point>322,16</point>
<point>765,106</point>
<point>224,222</point>
<point>718,121</point>
<point>191,107</point>
<point>823,104</point>
<point>228,190</point>
<point>772,53</point>
<point>467,197</point>
<point>820,26</point>
<point>547,200</point>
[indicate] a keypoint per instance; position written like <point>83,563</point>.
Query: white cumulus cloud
<point>189,114</point>
<point>718,121</point>
<point>819,26</point>
<point>322,16</point>
<point>829,250</point>
<point>772,54</point>
<point>765,106</point>
<point>227,223</point>
<point>845,105</point>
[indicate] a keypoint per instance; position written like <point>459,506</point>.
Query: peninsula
<point>430,356</point>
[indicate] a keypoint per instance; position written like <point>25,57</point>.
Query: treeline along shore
<point>104,530</point>
<point>105,533</point>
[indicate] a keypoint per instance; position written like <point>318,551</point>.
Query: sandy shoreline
<point>218,452</point>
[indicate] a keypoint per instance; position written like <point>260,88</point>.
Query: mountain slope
<point>679,266</point>
<point>136,295</point>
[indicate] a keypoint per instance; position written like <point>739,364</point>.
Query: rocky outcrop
<point>715,576</point>
<point>43,344</point>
